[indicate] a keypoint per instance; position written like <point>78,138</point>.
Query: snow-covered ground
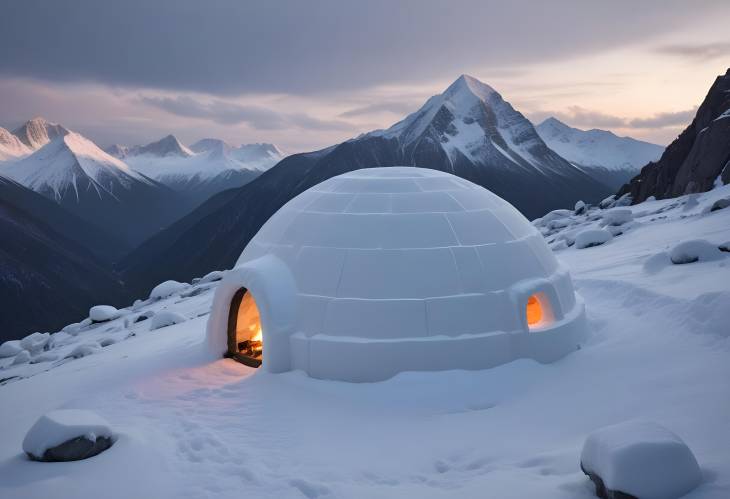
<point>191,426</point>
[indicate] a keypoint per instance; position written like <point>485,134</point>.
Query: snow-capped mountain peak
<point>211,145</point>
<point>117,150</point>
<point>166,146</point>
<point>37,132</point>
<point>601,153</point>
<point>11,147</point>
<point>57,167</point>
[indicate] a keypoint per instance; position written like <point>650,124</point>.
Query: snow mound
<point>216,275</point>
<point>23,357</point>
<point>103,313</point>
<point>642,459</point>
<point>720,204</point>
<point>618,216</point>
<point>166,289</point>
<point>35,342</point>
<point>61,426</point>
<point>695,250</point>
<point>84,350</point>
<point>165,318</point>
<point>592,237</point>
<point>10,349</point>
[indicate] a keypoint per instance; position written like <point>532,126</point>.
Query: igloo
<point>384,270</point>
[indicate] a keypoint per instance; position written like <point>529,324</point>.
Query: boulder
<point>10,349</point>
<point>618,216</point>
<point>165,318</point>
<point>695,250</point>
<point>592,237</point>
<point>166,289</point>
<point>639,460</point>
<point>67,435</point>
<point>103,313</point>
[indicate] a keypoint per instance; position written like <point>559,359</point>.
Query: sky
<point>308,74</point>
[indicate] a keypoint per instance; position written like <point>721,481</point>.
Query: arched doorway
<point>245,340</point>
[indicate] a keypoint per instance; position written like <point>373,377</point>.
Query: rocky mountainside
<point>697,159</point>
<point>11,147</point>
<point>98,188</point>
<point>468,130</point>
<point>38,132</point>
<point>605,156</point>
<point>53,265</point>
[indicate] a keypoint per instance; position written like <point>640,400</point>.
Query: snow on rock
<point>10,349</point>
<point>165,318</point>
<point>720,204</point>
<point>23,357</point>
<point>35,342</point>
<point>642,459</point>
<point>618,216</point>
<point>592,237</point>
<point>67,435</point>
<point>166,289</point>
<point>216,275</point>
<point>695,250</point>
<point>624,200</point>
<point>103,313</point>
<point>84,350</point>
<point>580,207</point>
<point>608,202</point>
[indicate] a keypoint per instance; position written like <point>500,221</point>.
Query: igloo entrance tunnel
<point>385,270</point>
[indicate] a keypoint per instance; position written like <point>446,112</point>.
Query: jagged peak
<point>168,145</point>
<point>469,84</point>
<point>38,131</point>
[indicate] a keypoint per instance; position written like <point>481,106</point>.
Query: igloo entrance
<point>245,340</point>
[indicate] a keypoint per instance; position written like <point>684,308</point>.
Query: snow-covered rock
<point>592,237</point>
<point>103,313</point>
<point>624,200</point>
<point>68,435</point>
<point>618,216</point>
<point>84,350</point>
<point>642,459</point>
<point>166,289</point>
<point>608,202</point>
<point>216,275</point>
<point>10,349</point>
<point>23,357</point>
<point>35,342</point>
<point>720,204</point>
<point>580,208</point>
<point>165,318</point>
<point>695,250</point>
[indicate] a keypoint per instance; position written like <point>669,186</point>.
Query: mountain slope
<point>600,153</point>
<point>46,278</point>
<point>38,132</point>
<point>208,167</point>
<point>697,158</point>
<point>98,188</point>
<point>11,147</point>
<point>468,130</point>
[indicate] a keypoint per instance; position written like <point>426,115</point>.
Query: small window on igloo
<point>538,311</point>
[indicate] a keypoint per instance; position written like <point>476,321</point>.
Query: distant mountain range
<point>603,155</point>
<point>697,159</point>
<point>469,130</point>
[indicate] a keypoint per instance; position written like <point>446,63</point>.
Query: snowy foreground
<point>191,426</point>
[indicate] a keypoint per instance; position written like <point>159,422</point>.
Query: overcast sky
<point>307,74</point>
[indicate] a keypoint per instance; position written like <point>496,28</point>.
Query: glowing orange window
<point>538,311</point>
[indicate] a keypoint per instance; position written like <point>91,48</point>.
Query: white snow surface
<point>641,458</point>
<point>59,426</point>
<point>57,166</point>
<point>100,313</point>
<point>597,148</point>
<point>165,289</point>
<point>658,349</point>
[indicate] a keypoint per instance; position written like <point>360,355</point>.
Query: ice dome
<point>385,270</point>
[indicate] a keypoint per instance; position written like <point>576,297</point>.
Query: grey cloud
<point>300,47</point>
<point>664,119</point>
<point>231,113</point>
<point>395,107</point>
<point>697,52</point>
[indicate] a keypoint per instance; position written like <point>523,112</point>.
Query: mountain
<point>48,277</point>
<point>697,158</point>
<point>11,147</point>
<point>603,155</point>
<point>209,166</point>
<point>98,188</point>
<point>117,150</point>
<point>166,146</point>
<point>38,132</point>
<point>468,130</point>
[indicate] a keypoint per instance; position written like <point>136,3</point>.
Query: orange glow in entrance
<point>534,311</point>
<point>248,327</point>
